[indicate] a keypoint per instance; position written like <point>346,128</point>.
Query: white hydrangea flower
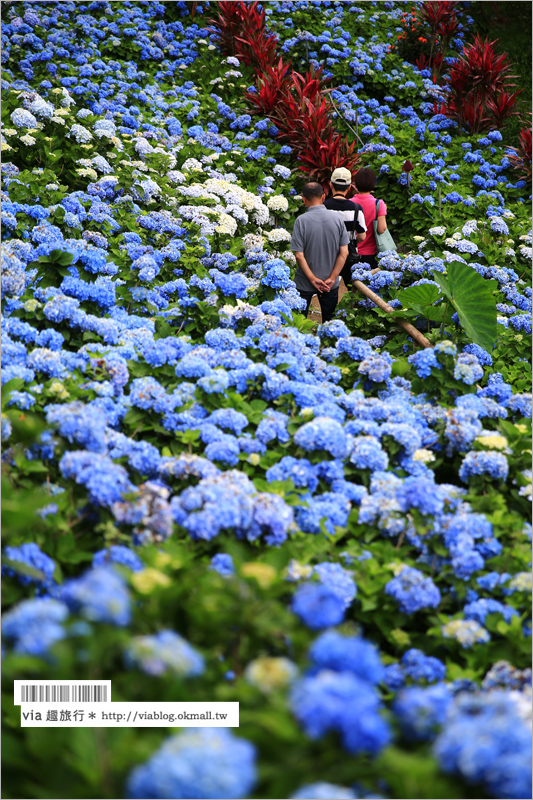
<point>423,455</point>
<point>88,173</point>
<point>521,582</point>
<point>492,440</point>
<point>466,631</point>
<point>142,146</point>
<point>261,214</point>
<point>268,674</point>
<point>226,224</point>
<point>289,257</point>
<point>191,165</point>
<point>253,241</point>
<point>469,227</point>
<point>278,203</point>
<point>278,235</point>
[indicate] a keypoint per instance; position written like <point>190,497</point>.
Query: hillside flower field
<point>209,497</point>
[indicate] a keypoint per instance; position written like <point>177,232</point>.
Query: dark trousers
<point>328,302</point>
<point>346,273</point>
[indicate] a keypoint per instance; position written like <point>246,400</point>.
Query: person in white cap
<point>350,212</point>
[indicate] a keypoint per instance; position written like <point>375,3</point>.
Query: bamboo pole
<point>410,329</point>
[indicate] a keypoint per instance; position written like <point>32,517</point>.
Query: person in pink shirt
<point>365,182</point>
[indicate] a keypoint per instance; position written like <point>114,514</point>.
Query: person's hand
<point>329,284</point>
<point>319,285</point>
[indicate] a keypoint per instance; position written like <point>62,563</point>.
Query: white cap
<point>342,176</point>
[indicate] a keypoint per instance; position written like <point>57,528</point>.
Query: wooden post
<point>410,329</point>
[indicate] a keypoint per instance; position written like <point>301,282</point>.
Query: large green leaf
<point>473,299</point>
<point>418,297</point>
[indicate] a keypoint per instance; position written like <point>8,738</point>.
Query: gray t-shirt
<point>318,234</point>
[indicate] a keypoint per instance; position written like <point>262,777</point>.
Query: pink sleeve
<point>382,209</point>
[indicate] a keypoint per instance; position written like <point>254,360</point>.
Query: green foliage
<point>473,299</point>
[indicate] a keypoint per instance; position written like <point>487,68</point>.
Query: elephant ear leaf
<point>473,299</point>
<point>419,297</point>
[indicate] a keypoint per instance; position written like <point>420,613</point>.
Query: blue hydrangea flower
<point>494,465</point>
<point>339,701</point>
<point>424,361</point>
<point>100,595</point>
<point>368,454</point>
<point>35,625</point>
<point>487,741</point>
<point>353,346</point>
<point>223,564</point>
<point>377,367</point>
<point>221,502</point>
<point>201,762</point>
<point>394,677</point>
<point>31,555</point>
<point>422,711</point>
<point>323,433</point>
<point>318,606</point>
<point>467,369</point>
<point>420,667</point>
<point>323,791</point>
<point>484,358</point>
<point>413,591</point>
<point>105,481</point>
<point>302,473</point>
<point>333,651</point>
<point>326,510</point>
<point>338,579</point>
<point>118,554</point>
<point>420,493</point>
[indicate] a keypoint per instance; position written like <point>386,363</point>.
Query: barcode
<point>63,694</point>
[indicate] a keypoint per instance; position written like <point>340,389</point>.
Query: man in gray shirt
<point>320,245</point>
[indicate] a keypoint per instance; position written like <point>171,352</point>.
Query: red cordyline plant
<point>520,157</point>
<point>441,19</point>
<point>241,31</point>
<point>300,120</point>
<point>295,103</point>
<point>311,85</point>
<point>278,87</point>
<point>479,84</point>
<point>256,48</point>
<point>440,16</point>
<point>227,25</point>
<point>434,62</point>
<point>326,153</point>
<point>272,87</point>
